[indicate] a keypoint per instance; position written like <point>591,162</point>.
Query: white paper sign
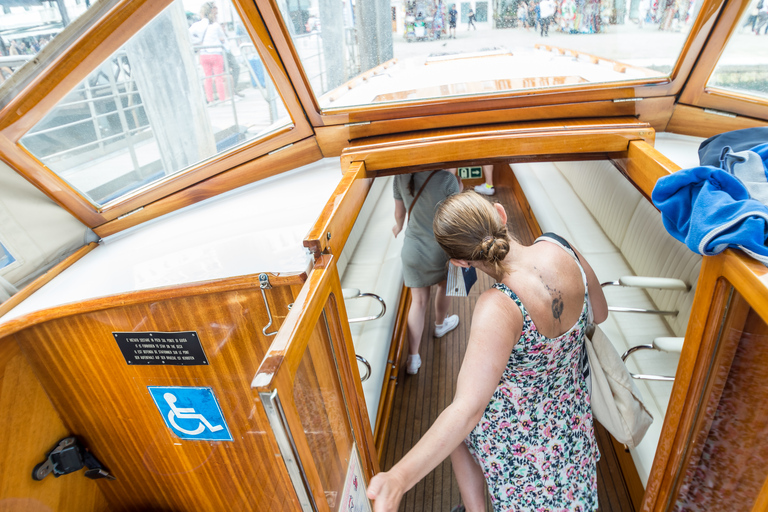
<point>353,499</point>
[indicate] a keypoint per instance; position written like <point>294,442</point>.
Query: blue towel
<point>709,209</point>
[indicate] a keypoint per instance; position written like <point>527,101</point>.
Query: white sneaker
<point>449,324</point>
<point>413,364</point>
<point>485,189</point>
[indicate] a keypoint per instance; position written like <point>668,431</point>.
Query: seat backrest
<point>634,225</point>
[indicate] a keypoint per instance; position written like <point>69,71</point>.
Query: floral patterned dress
<point>535,441</point>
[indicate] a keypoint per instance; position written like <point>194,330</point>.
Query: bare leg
<point>488,172</point>
<point>442,302</point>
<point>419,301</point>
<point>470,478</point>
<point>487,187</point>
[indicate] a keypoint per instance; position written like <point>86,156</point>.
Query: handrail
<point>367,367</point>
<point>354,293</point>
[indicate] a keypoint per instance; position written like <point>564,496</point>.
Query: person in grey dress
<point>424,263</point>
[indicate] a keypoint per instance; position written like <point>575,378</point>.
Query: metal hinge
<point>620,100</point>
<point>361,123</point>
<point>719,112</point>
<point>130,213</point>
<point>279,149</point>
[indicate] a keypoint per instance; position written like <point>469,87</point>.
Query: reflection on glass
<point>374,51</point>
<point>742,66</point>
<point>183,89</point>
<point>6,258</point>
<point>27,26</point>
<point>729,457</point>
<point>320,402</point>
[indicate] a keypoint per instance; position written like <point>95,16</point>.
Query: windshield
<point>372,52</point>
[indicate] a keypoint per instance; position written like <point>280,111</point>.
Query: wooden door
<point>310,388</point>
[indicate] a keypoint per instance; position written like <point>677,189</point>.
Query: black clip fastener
<point>67,457</point>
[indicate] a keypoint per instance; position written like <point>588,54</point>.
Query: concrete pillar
<point>165,69</point>
<point>374,32</point>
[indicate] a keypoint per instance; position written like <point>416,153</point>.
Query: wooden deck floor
<point>420,398</point>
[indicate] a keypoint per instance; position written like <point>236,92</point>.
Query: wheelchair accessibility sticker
<point>191,413</point>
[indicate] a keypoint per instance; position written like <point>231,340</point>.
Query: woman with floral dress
<point>520,422</point>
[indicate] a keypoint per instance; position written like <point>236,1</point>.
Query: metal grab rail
<point>641,376</point>
<point>646,282</point>
<point>367,367</point>
<point>354,293</point>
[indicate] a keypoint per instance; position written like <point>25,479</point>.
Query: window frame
<point>93,38</point>
<point>441,107</point>
<point>697,93</point>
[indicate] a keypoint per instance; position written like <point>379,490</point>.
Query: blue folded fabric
<point>709,209</point>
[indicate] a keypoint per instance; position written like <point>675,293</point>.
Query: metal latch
<point>67,457</point>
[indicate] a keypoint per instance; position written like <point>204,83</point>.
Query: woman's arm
<point>596,295</point>
<point>399,216</point>
<point>496,326</point>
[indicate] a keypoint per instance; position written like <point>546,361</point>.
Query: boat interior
<point>171,234</point>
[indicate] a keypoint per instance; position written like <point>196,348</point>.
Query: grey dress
<point>424,262</point>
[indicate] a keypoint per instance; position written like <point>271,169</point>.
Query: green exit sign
<point>470,172</point>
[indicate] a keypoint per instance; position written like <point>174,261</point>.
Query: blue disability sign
<point>191,413</point>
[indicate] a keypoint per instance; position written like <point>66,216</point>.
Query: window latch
<point>67,457</point>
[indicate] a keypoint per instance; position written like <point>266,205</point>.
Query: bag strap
<point>419,192</point>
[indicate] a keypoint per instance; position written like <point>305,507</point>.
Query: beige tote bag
<point>616,401</point>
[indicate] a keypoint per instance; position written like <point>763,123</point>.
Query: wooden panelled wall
<point>64,374</point>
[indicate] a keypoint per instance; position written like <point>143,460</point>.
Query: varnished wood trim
<point>450,147</point>
<point>301,153</point>
<point>332,139</point>
<point>158,294</point>
<point>50,184</point>
<point>696,91</point>
<point>698,122</point>
<point>88,49</point>
<point>273,21</point>
<point>655,111</point>
<point>629,472</point>
<point>337,219</point>
<point>294,334</point>
<point>279,367</point>
<point>65,70</point>
<point>525,206</point>
<point>341,336</point>
<point>45,278</point>
<point>701,336</point>
<point>749,278</point>
<point>708,389</point>
<point>32,426</point>
<point>645,165</point>
<point>481,104</point>
<point>761,503</point>
<point>399,338</point>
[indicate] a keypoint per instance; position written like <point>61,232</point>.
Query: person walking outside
<point>208,33</point>
<point>452,13</point>
<point>520,422</point>
<point>425,264</point>
<point>547,15</point>
<point>471,19</point>
<point>522,15</point>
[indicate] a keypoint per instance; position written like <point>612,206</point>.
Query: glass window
<point>6,258</point>
<point>740,68</point>
<point>185,88</point>
<point>27,26</point>
<point>378,51</point>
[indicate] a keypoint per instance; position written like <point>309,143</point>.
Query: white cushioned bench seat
<point>620,233</point>
<point>371,263</point>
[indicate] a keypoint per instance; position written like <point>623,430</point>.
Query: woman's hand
<point>386,490</point>
<point>396,229</point>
